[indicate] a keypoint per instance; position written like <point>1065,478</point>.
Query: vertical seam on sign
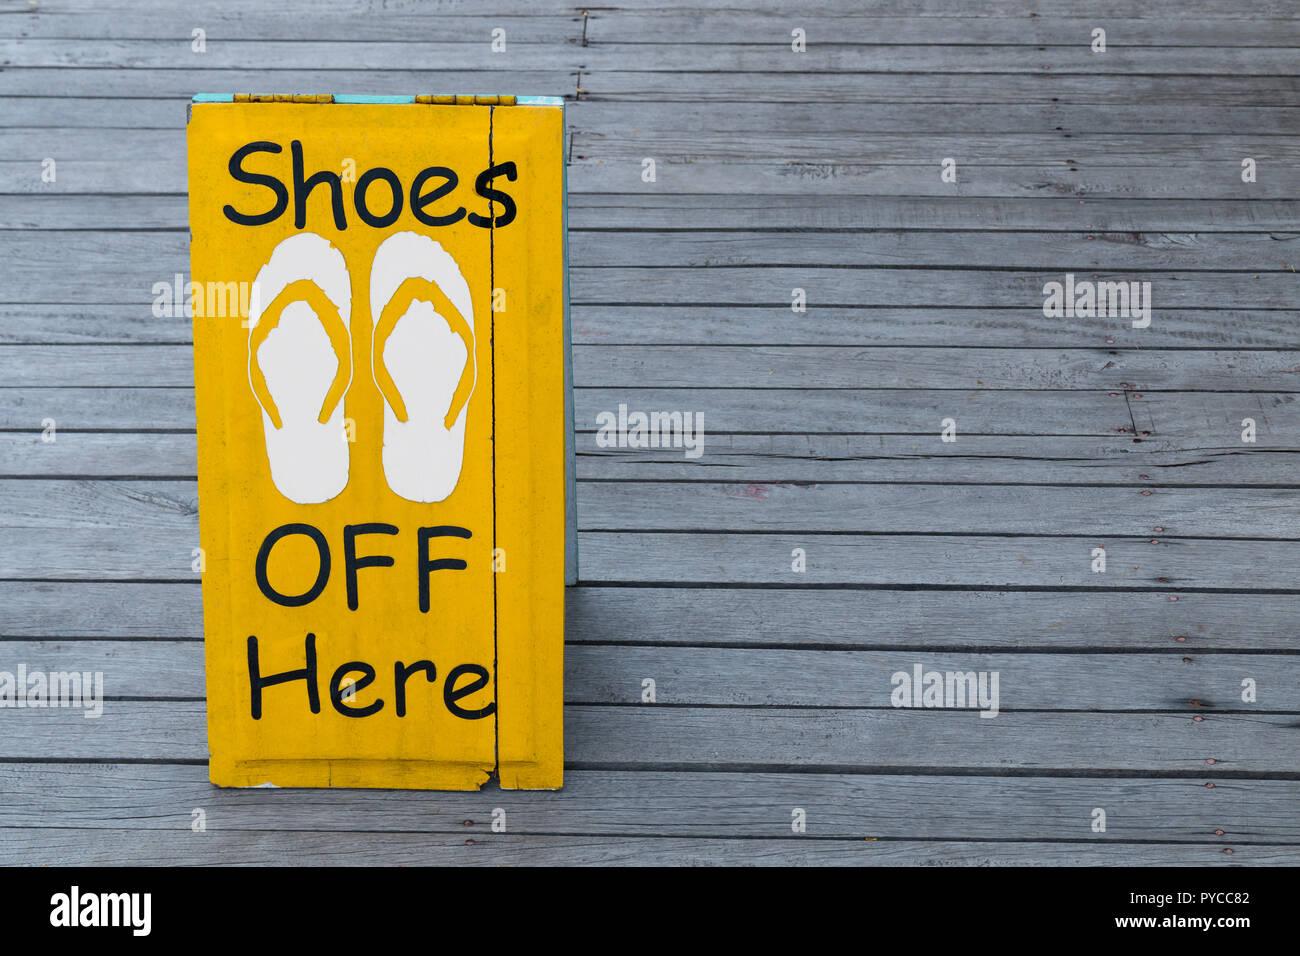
<point>492,350</point>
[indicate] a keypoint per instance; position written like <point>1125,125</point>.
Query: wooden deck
<point>776,170</point>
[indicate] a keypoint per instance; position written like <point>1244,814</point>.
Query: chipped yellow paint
<point>491,698</point>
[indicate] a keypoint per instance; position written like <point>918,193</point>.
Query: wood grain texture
<point>599,115</point>
<point>873,560</point>
<point>661,737</point>
<point>760,677</point>
<point>736,173</point>
<point>639,209</point>
<point>781,617</point>
<point>761,366</point>
<point>73,847</point>
<point>1212,419</point>
<point>158,798</point>
<point>849,534</point>
<point>760,459</point>
<point>775,171</point>
<point>755,57</point>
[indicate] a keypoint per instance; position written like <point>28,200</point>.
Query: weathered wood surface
<point>784,617</point>
<point>161,211</point>
<point>681,172</point>
<point>69,847</point>
<point>763,366</point>
<point>596,116</point>
<point>775,171</point>
<point>1211,418</point>
<point>595,324</point>
<point>634,86</point>
<point>756,56</point>
<point>1181,515</point>
<point>758,459</point>
<point>695,738</point>
<point>750,677</point>
<point>660,804</point>
<point>779,245</point>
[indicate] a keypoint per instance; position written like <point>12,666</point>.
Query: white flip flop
<point>422,360</point>
<point>300,365</point>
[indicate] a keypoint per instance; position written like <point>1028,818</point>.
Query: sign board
<point>381,372</point>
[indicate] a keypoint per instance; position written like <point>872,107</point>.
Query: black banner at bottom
<point>376,906</point>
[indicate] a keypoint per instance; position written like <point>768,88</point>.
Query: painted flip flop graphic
<point>422,360</point>
<point>300,365</point>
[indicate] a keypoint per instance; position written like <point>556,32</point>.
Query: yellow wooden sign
<point>380,362</point>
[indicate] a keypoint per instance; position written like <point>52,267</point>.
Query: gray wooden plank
<point>706,25</point>
<point>115,409</point>
<point>659,737</point>
<point>624,85</point>
<point>162,455</point>
<point>791,617</point>
<point>72,847</point>
<point>992,147</point>
<point>758,366</point>
<point>1077,251</point>
<point>53,323</point>
<point>906,508</point>
<point>185,78</point>
<point>1042,682</point>
<point>377,56</point>
<point>627,119</point>
<point>761,677</point>
<point>912,287</point>
<point>157,542</point>
<point>1213,419</point>
<point>722,26</point>
<point>761,459</point>
<point>1209,9</point>
<point>1080,252</point>
<point>557,26</point>
<point>649,803</point>
<point>126,267</point>
<point>630,143</point>
<point>689,324</point>
<point>640,210</point>
<point>319,8</point>
<point>1048,87</point>
<point>170,507</point>
<point>589,172</point>
<point>766,459</point>
<point>1077,121</point>
<point>761,366</point>
<point>1187,328</point>
<point>845,559</point>
<point>847,57</point>
<point>596,116</point>
<point>779,617</point>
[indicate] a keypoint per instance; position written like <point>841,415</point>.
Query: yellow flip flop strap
<point>303,290</point>
<point>416,289</point>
